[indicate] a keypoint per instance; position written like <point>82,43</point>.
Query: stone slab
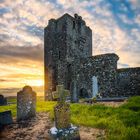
<point>6,118</point>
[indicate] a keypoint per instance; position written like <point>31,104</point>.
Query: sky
<point>115,26</point>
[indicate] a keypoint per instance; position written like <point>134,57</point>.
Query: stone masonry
<point>69,61</point>
<point>104,67</point>
<point>128,82</point>
<point>65,39</point>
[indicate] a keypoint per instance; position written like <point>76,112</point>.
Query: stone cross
<point>60,94</point>
<point>62,109</point>
<point>63,129</point>
<point>26,103</point>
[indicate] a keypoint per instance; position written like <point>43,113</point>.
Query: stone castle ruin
<point>69,61</point>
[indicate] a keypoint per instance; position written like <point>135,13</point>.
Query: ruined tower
<point>65,39</point>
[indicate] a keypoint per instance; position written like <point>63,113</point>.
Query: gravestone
<point>26,103</point>
<point>94,86</point>
<point>5,118</point>
<point>3,100</point>
<point>63,129</point>
<point>62,109</point>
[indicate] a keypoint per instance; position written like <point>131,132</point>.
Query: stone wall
<point>69,61</point>
<point>104,67</point>
<point>128,81</point>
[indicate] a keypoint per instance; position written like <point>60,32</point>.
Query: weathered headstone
<point>3,100</point>
<point>62,109</point>
<point>26,103</point>
<point>5,118</point>
<point>63,129</point>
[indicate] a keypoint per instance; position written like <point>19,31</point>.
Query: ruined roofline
<point>104,56</point>
<point>128,69</point>
<point>65,15</point>
<point>76,17</point>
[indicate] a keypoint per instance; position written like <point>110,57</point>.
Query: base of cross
<point>71,133</point>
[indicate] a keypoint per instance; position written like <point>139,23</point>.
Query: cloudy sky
<point>115,25</point>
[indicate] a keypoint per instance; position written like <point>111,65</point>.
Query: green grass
<point>12,100</point>
<point>42,106</point>
<point>11,107</point>
<point>120,123</point>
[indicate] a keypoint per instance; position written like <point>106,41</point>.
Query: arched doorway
<point>83,93</point>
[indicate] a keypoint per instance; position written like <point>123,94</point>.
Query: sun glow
<point>35,82</point>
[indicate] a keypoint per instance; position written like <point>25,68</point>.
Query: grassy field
<point>120,123</point>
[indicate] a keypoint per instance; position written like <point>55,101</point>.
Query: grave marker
<point>26,103</point>
<point>63,129</point>
<point>5,118</point>
<point>3,100</point>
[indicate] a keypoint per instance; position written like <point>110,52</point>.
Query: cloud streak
<point>32,53</point>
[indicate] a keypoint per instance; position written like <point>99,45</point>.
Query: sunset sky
<point>115,25</point>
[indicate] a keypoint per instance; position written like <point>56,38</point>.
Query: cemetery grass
<point>121,122</point>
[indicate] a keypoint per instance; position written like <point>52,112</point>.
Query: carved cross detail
<point>60,94</point>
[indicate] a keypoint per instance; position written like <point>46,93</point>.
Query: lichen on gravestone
<point>62,109</point>
<point>63,129</point>
<point>26,103</point>
<point>60,94</point>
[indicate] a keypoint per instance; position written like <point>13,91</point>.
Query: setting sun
<point>35,82</point>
